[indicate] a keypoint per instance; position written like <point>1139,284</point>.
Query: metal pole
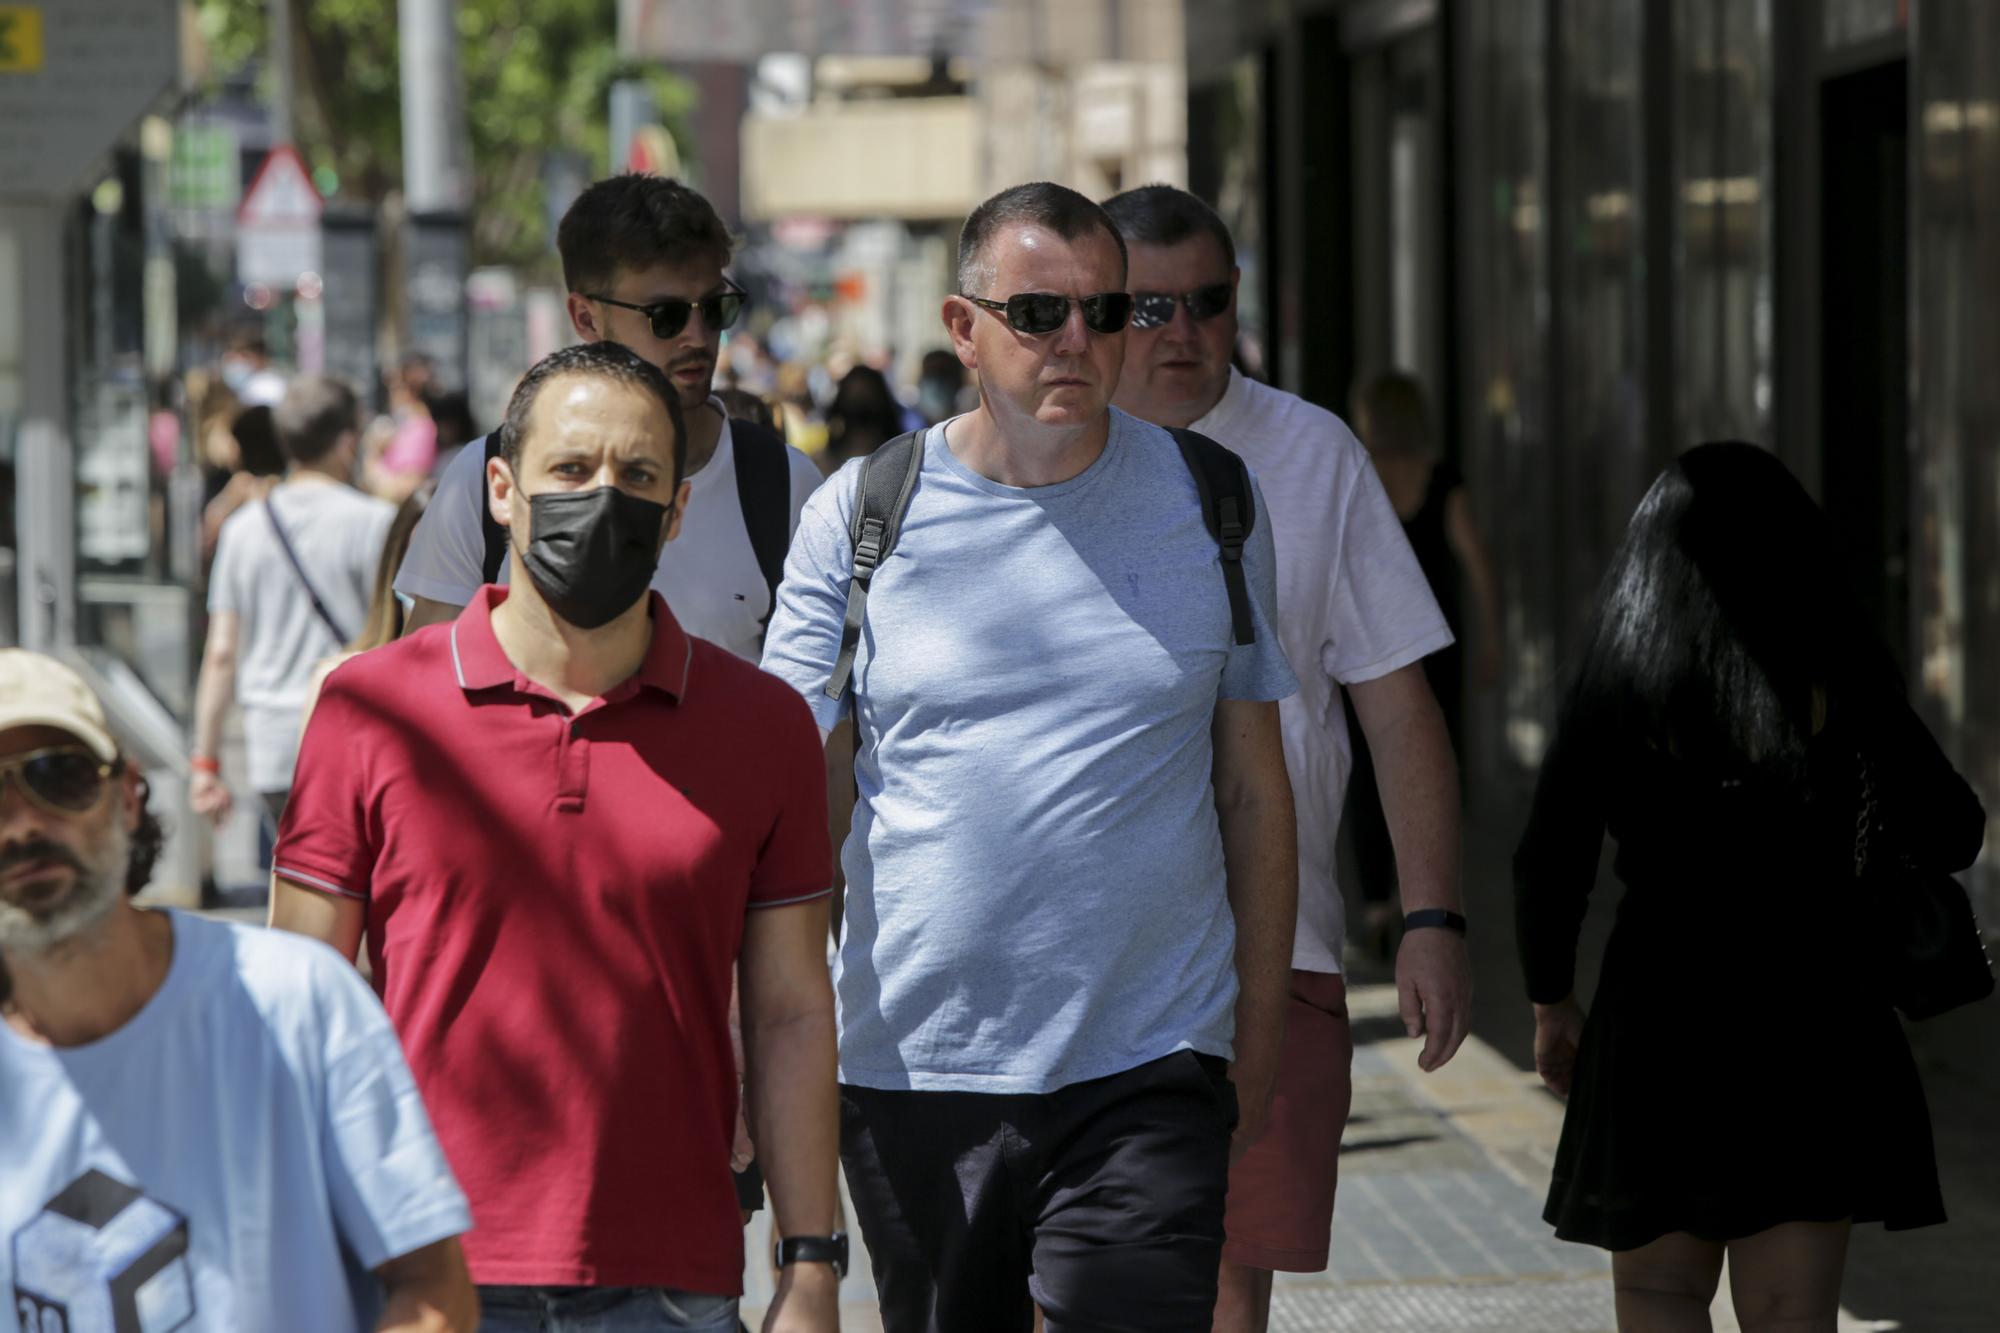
<point>281,71</point>
<point>436,176</point>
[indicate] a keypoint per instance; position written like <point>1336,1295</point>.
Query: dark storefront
<point>1601,231</point>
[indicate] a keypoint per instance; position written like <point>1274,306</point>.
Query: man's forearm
<point>212,696</point>
<point>1419,782</point>
<point>795,1118</point>
<point>1260,851</point>
<point>428,1291</point>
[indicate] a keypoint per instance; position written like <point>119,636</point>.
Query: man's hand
<point>807,1300</point>
<point>1434,992</point>
<point>1253,1104</point>
<point>209,797</point>
<point>428,1291</point>
<point>1558,1031</point>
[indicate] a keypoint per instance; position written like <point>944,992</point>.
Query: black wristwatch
<point>1435,916</point>
<point>814,1250</point>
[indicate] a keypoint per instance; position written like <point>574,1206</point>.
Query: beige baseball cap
<point>38,691</point>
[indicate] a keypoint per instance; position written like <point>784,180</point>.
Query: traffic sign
<point>277,225</point>
<point>20,39</point>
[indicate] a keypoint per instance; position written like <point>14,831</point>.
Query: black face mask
<point>592,553</point>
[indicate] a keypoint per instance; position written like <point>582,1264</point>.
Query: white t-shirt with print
<point>1353,606</point>
<point>708,574</point>
<point>241,1155</point>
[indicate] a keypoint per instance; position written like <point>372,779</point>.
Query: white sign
<point>277,227</point>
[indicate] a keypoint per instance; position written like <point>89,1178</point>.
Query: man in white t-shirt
<point>643,259</point>
<point>294,574</point>
<point>1354,611</point>
<point>203,1126</point>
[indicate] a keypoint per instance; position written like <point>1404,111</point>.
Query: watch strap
<point>1434,916</point>
<point>814,1250</point>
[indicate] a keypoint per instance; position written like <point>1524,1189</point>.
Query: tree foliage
<point>537,76</point>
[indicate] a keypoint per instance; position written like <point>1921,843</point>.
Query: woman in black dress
<point>1740,1083</point>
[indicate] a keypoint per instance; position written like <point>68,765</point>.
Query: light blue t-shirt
<point>1035,887</point>
<point>238,1156</point>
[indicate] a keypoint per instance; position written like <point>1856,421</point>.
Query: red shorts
<point>1280,1212</point>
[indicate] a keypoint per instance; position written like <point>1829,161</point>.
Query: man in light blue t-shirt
<point>1070,877</point>
<point>202,1126</point>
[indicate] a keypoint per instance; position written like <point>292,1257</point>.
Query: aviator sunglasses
<point>64,780</point>
<point>1153,310</point>
<point>1038,313</point>
<point>667,318</point>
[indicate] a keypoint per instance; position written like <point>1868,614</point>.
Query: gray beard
<point>28,935</point>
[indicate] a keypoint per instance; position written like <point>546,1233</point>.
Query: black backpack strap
<point>764,490</point>
<point>341,637</point>
<point>489,527</point>
<point>1230,511</point>
<point>881,496</point>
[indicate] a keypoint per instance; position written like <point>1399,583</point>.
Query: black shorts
<point>1102,1201</point>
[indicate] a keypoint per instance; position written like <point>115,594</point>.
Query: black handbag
<point>1921,921</point>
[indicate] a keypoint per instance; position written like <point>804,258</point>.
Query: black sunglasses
<point>64,780</point>
<point>1044,312</point>
<point>667,318</point>
<point>1153,310</point>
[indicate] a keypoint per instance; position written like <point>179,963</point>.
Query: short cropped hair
<point>316,411</point>
<point>598,360</point>
<point>634,221</point>
<point>1040,203</point>
<point>1167,215</point>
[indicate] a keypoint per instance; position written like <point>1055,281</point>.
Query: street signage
<point>20,39</point>
<point>277,225</point>
<point>74,76</point>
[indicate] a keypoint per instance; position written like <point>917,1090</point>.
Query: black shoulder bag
<point>1933,957</point>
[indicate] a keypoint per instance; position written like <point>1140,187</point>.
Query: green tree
<point>537,77</point>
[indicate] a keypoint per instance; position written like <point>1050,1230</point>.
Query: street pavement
<point>1438,1226</point>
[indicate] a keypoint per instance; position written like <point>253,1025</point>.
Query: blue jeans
<point>603,1310</point>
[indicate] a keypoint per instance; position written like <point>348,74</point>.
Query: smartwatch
<point>814,1250</point>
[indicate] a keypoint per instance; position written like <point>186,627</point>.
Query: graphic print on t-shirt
<point>101,1257</point>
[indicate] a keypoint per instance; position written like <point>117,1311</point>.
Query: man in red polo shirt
<point>558,821</point>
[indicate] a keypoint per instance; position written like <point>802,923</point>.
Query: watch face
<point>814,1250</point>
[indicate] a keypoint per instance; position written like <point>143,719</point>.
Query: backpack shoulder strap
<point>1230,512</point>
<point>881,497</point>
<point>764,491</point>
<point>490,530</point>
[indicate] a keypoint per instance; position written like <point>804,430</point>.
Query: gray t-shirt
<point>1035,886</point>
<point>338,533</point>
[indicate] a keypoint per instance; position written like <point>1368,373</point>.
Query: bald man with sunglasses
<point>1070,887</point>
<point>203,1126</point>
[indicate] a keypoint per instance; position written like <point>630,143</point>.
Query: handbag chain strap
<point>1864,820</point>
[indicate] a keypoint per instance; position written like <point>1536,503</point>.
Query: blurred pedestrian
<point>386,613</point>
<point>1352,612</point>
<point>553,912</point>
<point>1741,1085</point>
<point>1064,914</point>
<point>1430,499</point>
<point>291,584</point>
<point>743,405</point>
<point>247,370</point>
<point>863,416</point>
<point>643,257</point>
<point>401,448</point>
<point>245,461</point>
<point>207,1126</point>
<point>941,387</point>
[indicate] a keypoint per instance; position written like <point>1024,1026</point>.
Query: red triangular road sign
<point>283,194</point>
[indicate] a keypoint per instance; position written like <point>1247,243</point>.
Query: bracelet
<point>1434,916</point>
<point>205,763</point>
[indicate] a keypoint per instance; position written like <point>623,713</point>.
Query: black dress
<point>1738,1068</point>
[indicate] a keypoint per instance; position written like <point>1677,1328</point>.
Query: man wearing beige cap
<point>203,1126</point>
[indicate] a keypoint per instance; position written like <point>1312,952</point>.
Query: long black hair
<point>1725,623</point>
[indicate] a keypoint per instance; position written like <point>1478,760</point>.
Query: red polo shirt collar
<point>481,664</point>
